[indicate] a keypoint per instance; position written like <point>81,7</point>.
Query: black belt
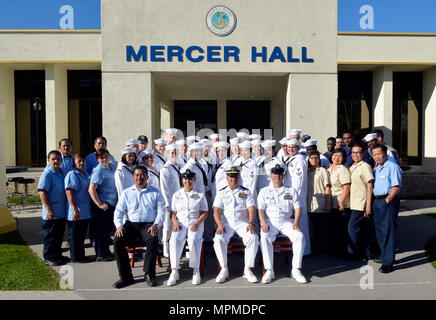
<point>381,197</point>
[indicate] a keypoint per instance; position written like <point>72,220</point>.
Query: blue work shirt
<point>78,182</point>
<point>105,178</point>
<point>349,160</point>
<point>52,182</point>
<point>91,162</point>
<point>140,205</point>
<point>386,177</point>
<point>66,165</point>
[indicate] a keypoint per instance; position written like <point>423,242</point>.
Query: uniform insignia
<point>242,195</point>
<point>243,188</point>
<point>299,173</point>
<point>223,188</point>
<point>195,196</point>
<point>287,196</point>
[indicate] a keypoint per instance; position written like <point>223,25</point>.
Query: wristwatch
<point>251,222</point>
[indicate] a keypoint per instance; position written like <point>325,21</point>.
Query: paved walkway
<point>330,278</point>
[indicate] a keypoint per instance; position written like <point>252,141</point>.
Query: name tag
<point>287,196</point>
<point>195,196</point>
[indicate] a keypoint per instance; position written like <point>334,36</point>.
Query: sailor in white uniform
<point>311,145</point>
<point>188,212</point>
<point>124,173</point>
<point>283,155</point>
<point>297,169</point>
<point>234,212</point>
<point>171,135</point>
<point>234,149</point>
<point>170,182</point>
<point>194,165</point>
<point>159,154</point>
<point>276,204</point>
<point>248,168</point>
<point>218,179</point>
<point>257,153</point>
<point>269,161</point>
<point>153,174</point>
<point>182,147</point>
<point>242,136</point>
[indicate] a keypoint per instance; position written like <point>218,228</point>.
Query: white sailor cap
<point>369,137</point>
<point>221,144</point>
<point>242,135</point>
<point>255,136</point>
<point>310,142</point>
<point>294,132</point>
<point>256,142</point>
<point>284,140</point>
<point>171,146</point>
<point>206,142</point>
<point>216,136</point>
<point>268,143</point>
<point>196,145</point>
<point>132,141</point>
<point>234,141</point>
<point>128,150</point>
<point>193,138</point>
<point>171,131</point>
<point>245,145</point>
<point>294,142</point>
<point>146,151</point>
<point>181,142</point>
<point>160,141</point>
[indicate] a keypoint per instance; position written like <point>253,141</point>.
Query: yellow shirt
<point>339,176</point>
<point>361,174</point>
<point>317,183</point>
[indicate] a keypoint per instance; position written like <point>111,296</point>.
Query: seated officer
<point>238,208</point>
<point>144,208</point>
<point>276,204</point>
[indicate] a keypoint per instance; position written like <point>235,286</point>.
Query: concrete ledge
<point>7,221</point>
<point>39,295</point>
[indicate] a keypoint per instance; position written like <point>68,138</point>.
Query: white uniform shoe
<point>223,275</point>
<point>298,276</point>
<point>165,249</point>
<point>249,275</point>
<point>174,276</point>
<point>196,278</point>
<point>268,276</point>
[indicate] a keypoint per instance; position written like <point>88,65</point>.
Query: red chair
<point>202,260</point>
<point>235,245</point>
<point>138,248</point>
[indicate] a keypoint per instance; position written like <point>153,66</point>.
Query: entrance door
<point>203,112</point>
<point>248,114</point>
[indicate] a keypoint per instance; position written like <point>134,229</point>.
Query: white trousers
<point>167,228</point>
<point>251,242</point>
<point>178,240</point>
<point>284,227</point>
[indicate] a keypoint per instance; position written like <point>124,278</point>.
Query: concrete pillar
<point>221,114</point>
<point>311,105</point>
<point>383,101</point>
<point>429,129</point>
<point>128,108</point>
<point>56,105</point>
<point>7,97</point>
<point>7,222</point>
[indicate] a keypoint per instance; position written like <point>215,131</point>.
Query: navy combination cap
<point>233,171</point>
<point>278,169</point>
<point>188,174</point>
<point>142,139</point>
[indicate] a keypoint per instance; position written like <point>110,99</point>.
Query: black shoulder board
<point>244,188</point>
<point>223,188</point>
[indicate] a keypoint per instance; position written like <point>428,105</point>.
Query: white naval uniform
<point>218,179</point>
<point>159,161</point>
<point>234,214</point>
<point>170,183</point>
<point>200,186</point>
<point>123,177</point>
<point>209,164</point>
<point>297,168</point>
<point>153,178</point>
<point>248,174</point>
<point>264,169</point>
<point>187,206</point>
<point>278,205</point>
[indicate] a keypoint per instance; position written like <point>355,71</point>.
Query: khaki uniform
<point>361,174</point>
<point>317,183</point>
<point>338,177</point>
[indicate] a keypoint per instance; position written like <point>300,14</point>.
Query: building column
<point>128,109</point>
<point>429,113</point>
<point>7,221</point>
<point>383,101</point>
<point>56,105</point>
<point>7,98</point>
<point>221,116</point>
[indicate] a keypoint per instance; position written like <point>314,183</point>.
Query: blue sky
<point>389,15</point>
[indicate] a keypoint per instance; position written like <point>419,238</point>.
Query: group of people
<point>344,202</point>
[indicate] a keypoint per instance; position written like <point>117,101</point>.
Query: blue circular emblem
<point>221,21</point>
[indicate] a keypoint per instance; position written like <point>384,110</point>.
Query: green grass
<point>19,200</point>
<point>21,269</point>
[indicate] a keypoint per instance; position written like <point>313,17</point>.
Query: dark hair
<point>347,131</point>
<point>65,139</point>
<point>100,153</point>
<point>102,138</point>
<point>124,160</point>
<point>313,153</point>
<point>380,146</point>
<point>140,167</point>
<point>56,152</point>
<point>379,133</point>
<point>342,151</point>
<point>331,139</point>
<point>77,155</point>
<point>339,137</point>
<point>359,144</point>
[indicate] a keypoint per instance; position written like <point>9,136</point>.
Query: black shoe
<point>386,268</point>
<point>82,260</point>
<point>151,281</point>
<point>110,254</point>
<point>64,259</point>
<point>105,258</point>
<point>53,263</point>
<point>123,282</point>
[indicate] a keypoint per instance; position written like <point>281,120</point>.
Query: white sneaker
<point>268,276</point>
<point>174,276</point>
<point>223,275</point>
<point>196,278</point>
<point>166,253</point>
<point>298,276</point>
<point>249,275</point>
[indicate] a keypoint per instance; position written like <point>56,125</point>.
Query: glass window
<point>203,112</point>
